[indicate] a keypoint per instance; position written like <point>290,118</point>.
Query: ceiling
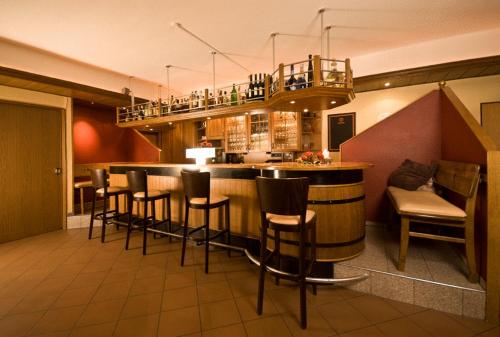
<point>137,38</point>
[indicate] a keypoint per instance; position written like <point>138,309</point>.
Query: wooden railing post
<point>317,71</point>
<point>281,77</point>
<point>348,73</point>
<point>117,115</point>
<point>206,99</point>
<point>266,87</point>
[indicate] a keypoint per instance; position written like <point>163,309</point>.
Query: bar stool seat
<point>82,184</point>
<point>215,201</point>
<point>101,188</point>
<point>290,220</point>
<point>139,192</point>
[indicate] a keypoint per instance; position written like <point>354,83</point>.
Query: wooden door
<point>215,129</point>
<point>31,150</point>
<point>490,120</point>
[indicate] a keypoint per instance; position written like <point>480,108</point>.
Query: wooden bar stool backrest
<point>283,196</point>
<point>138,182</point>
<point>99,178</point>
<point>196,184</point>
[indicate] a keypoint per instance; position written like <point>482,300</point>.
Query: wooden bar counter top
<point>336,194</point>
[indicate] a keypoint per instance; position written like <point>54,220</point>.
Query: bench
<point>426,207</point>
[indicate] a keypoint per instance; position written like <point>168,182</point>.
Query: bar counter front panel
<point>336,194</point>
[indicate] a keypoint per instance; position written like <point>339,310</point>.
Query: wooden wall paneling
<point>493,254</point>
<point>490,120</point>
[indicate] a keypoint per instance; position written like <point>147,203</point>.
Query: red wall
<point>413,132</point>
<point>96,138</point>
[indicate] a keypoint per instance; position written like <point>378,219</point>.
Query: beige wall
<point>373,106</point>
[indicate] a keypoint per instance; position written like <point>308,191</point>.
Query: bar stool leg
<point>262,271</point>
<point>228,227</point>
<point>302,281</point>
<point>145,227</point>
<point>207,236</point>
<point>313,255</point>
<point>277,244</point>
<point>116,210</point>
<point>185,233</point>
<point>129,225</point>
<point>104,219</point>
<point>153,214</point>
<point>92,213</point>
<point>169,217</point>
<point>82,201</point>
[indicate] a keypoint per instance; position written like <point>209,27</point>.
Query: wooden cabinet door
<point>215,129</point>
<point>31,185</point>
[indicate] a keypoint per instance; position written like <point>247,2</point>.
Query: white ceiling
<point>136,37</point>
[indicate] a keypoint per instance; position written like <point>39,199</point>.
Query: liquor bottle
<point>250,88</point>
<point>301,81</point>
<point>234,96</point>
<point>292,81</point>
<point>211,101</point>
<point>238,97</point>
<point>261,86</point>
<point>225,100</point>
<point>310,73</point>
<point>255,87</point>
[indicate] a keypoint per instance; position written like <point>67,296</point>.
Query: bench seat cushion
<point>423,203</point>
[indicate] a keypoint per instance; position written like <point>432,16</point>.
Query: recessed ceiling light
<point>147,126</point>
<point>209,117</point>
<point>246,113</point>
<point>151,129</point>
<point>170,123</point>
<point>306,110</point>
<point>292,102</point>
<point>387,84</point>
<point>333,102</point>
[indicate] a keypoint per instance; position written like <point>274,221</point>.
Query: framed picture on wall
<point>341,127</point>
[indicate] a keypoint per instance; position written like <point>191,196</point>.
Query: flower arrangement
<point>310,157</point>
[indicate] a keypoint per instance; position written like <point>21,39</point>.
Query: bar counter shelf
<point>336,194</point>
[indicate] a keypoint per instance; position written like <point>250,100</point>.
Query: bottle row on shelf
<point>255,89</point>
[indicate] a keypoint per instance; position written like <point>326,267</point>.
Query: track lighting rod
<point>210,46</point>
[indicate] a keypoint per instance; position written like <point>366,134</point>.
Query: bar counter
<point>336,194</point>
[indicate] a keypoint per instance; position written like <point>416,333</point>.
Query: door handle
<point>57,171</point>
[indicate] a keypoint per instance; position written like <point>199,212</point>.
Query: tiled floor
<point>61,284</point>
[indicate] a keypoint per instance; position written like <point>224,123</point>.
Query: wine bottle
<point>301,81</point>
<point>255,87</point>
<point>234,96</point>
<point>292,81</point>
<point>310,73</point>
<point>261,86</point>
<point>250,88</point>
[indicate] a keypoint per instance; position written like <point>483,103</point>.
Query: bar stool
<point>197,196</point>
<point>138,187</point>
<point>283,205</point>
<point>81,185</point>
<point>101,189</point>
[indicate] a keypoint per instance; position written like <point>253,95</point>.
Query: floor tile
<point>405,308</point>
<point>491,333</point>
<point>19,325</point>
<point>71,297</point>
<point>343,317</point>
<point>476,325</point>
<point>180,280</point>
<point>402,327</point>
<point>214,291</point>
<point>112,291</point>
<point>144,326</point>
<point>268,326</point>
<point>6,304</point>
<point>217,314</point>
<point>179,322</point>
<point>237,330</point>
<point>99,330</point>
<point>440,325</point>
<point>147,285</point>
<point>101,312</point>
<point>180,298</point>
<point>58,320</point>
<point>375,309</point>
<point>371,331</point>
<point>142,305</point>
